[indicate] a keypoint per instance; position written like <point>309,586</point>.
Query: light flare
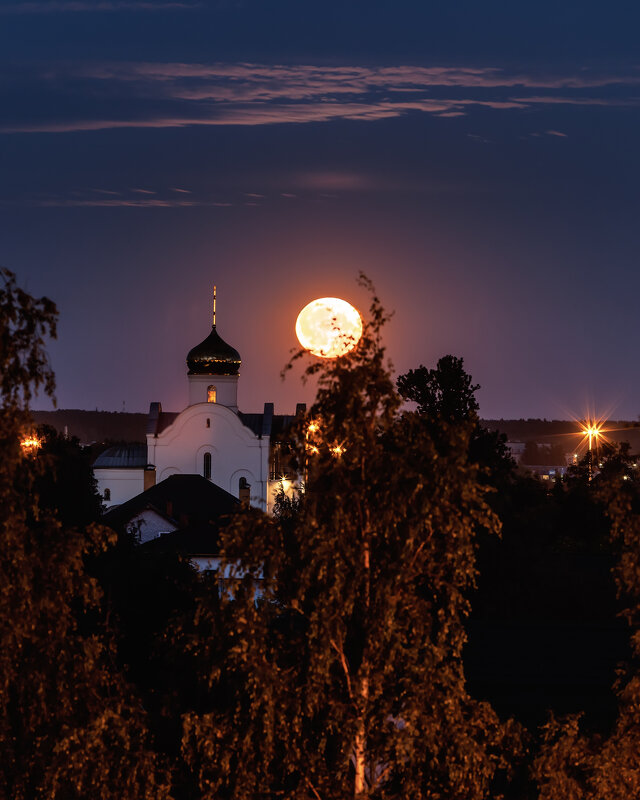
<point>31,444</point>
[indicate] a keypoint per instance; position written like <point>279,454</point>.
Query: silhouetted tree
<point>445,397</point>
<point>65,483</point>
<point>69,725</point>
<point>342,673</point>
<point>574,763</point>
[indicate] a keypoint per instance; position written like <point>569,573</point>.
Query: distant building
<point>181,514</point>
<point>238,452</point>
<point>516,449</point>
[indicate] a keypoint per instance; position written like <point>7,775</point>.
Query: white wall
<point>122,483</point>
<point>235,451</point>
<point>151,525</point>
<point>226,387</point>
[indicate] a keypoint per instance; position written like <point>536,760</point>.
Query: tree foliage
<point>445,397</point>
<point>70,727</point>
<point>342,673</point>
<point>574,763</point>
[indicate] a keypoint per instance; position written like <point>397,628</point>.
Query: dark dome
<point>213,357</point>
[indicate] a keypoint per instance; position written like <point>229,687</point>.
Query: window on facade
<point>244,491</point>
<point>212,394</point>
<point>107,494</point>
<point>207,466</point>
<point>208,422</point>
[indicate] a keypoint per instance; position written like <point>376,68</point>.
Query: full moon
<point>329,327</point>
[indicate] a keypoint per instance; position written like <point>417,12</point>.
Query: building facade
<point>238,452</point>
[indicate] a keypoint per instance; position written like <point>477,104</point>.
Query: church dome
<point>213,356</point>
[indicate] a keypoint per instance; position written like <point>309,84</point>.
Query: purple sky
<point>479,161</point>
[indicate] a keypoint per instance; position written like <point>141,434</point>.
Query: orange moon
<point>329,327</point>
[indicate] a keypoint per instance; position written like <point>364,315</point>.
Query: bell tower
<point>213,370</point>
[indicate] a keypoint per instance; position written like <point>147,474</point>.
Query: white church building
<point>240,453</point>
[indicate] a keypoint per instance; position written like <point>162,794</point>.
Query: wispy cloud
<point>61,6</point>
<point>155,95</point>
<point>126,203</point>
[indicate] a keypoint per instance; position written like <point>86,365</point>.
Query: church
<point>238,452</point>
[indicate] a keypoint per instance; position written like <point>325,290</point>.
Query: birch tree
<point>343,674</point>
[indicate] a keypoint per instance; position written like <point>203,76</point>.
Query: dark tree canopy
<point>444,393</point>
<point>574,762</point>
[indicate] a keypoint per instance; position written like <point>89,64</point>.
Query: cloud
<point>126,203</point>
<point>556,133</point>
<point>333,181</point>
<point>564,100</point>
<point>61,6</point>
<point>174,95</point>
<point>266,81</point>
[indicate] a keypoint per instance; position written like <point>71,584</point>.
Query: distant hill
<point>116,426</point>
<point>95,426</point>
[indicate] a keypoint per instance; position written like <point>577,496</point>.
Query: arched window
<point>212,394</point>
<point>208,422</point>
<point>244,491</point>
<point>207,466</point>
<point>107,494</point>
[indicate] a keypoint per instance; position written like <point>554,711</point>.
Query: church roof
<point>213,356</point>
<point>261,424</point>
<point>266,424</point>
<point>123,456</point>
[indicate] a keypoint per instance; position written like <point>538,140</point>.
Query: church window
<point>107,494</point>
<point>212,394</point>
<point>208,422</point>
<point>207,466</point>
<point>244,491</point>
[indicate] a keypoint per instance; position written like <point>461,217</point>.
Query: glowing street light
<point>31,444</point>
<point>592,432</point>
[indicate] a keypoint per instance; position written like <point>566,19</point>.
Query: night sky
<point>478,160</point>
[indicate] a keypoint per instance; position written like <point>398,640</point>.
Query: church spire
<point>214,306</point>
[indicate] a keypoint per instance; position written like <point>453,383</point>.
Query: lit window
<point>208,422</point>
<point>207,466</point>
<point>211,394</point>
<point>107,494</point>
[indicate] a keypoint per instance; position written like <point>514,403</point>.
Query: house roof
<point>185,499</point>
<point>200,539</point>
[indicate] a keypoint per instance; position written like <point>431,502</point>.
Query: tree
<point>573,762</point>
<point>446,392</point>
<point>70,726</point>
<point>445,397</point>
<point>342,673</point>
<point>65,483</point>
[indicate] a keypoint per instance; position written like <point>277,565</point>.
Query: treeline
<point>95,426</point>
<point>325,658</point>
